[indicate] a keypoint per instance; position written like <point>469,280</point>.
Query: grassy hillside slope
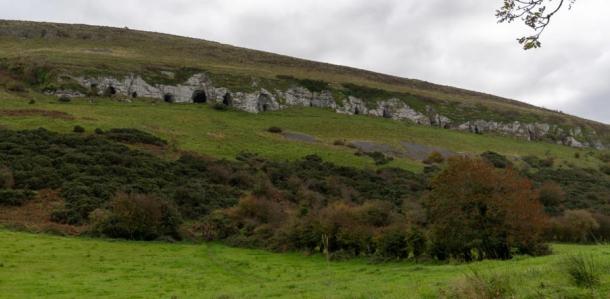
<point>57,267</point>
<point>224,134</point>
<point>82,49</point>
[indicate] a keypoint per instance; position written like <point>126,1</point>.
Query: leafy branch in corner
<point>536,14</point>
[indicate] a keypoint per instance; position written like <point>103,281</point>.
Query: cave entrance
<point>264,102</point>
<point>227,100</point>
<point>386,113</point>
<point>199,97</point>
<point>109,91</point>
<point>134,95</point>
<point>356,111</point>
<point>168,98</point>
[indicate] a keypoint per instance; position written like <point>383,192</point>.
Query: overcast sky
<point>451,42</point>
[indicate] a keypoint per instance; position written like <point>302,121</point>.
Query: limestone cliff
<point>199,88</point>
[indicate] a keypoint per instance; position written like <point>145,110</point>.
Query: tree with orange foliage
<point>478,212</point>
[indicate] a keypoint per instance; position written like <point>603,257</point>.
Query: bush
<point>137,217</point>
<point>392,243</point>
<point>487,212</point>
<point>99,131</point>
<point>379,157</point>
<point>574,226</point>
<point>78,129</point>
<point>536,162</point>
<point>134,136</point>
<point>15,197</point>
<point>497,160</point>
<point>434,158</point>
<point>605,169</point>
<point>7,180</point>
<point>339,142</point>
<point>552,196</point>
<point>64,99</point>
<point>275,130</point>
<point>583,271</point>
<point>32,102</point>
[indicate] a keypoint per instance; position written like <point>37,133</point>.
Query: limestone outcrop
<point>200,89</point>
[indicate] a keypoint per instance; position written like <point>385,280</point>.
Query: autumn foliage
<point>477,212</point>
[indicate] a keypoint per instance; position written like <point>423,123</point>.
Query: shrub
<point>275,130</point>
<point>497,160</point>
<point>32,102</point>
<point>583,271</point>
<point>64,99</point>
<point>339,142</point>
<point>379,157</point>
<point>574,226</point>
<point>137,217</point>
<point>552,196</point>
<point>78,129</point>
<point>134,136</point>
<point>7,180</point>
<point>99,131</point>
<point>392,243</point>
<point>15,197</point>
<point>434,158</point>
<point>605,169</point>
<point>486,211</point>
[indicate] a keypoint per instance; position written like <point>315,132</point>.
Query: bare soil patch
<point>35,215</point>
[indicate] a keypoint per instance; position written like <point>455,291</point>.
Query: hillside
<point>346,175</point>
<point>80,60</point>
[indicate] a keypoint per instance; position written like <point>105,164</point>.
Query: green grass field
<point>224,134</point>
<point>43,266</point>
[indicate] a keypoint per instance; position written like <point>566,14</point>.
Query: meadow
<point>224,134</point>
<point>59,267</point>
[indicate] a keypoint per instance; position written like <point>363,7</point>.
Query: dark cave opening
<point>199,97</point>
<point>168,98</point>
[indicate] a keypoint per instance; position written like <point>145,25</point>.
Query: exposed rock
<point>199,88</point>
<point>300,96</point>
<point>353,106</point>
<point>398,110</point>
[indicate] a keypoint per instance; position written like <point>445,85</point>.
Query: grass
<point>92,50</point>
<point>59,267</point>
<point>224,134</point>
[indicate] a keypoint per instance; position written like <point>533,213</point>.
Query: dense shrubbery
<point>583,188</point>
<point>15,197</point>
<point>89,170</point>
<point>308,204</point>
<point>137,217</point>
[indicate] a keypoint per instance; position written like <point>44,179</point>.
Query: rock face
<point>199,89</point>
